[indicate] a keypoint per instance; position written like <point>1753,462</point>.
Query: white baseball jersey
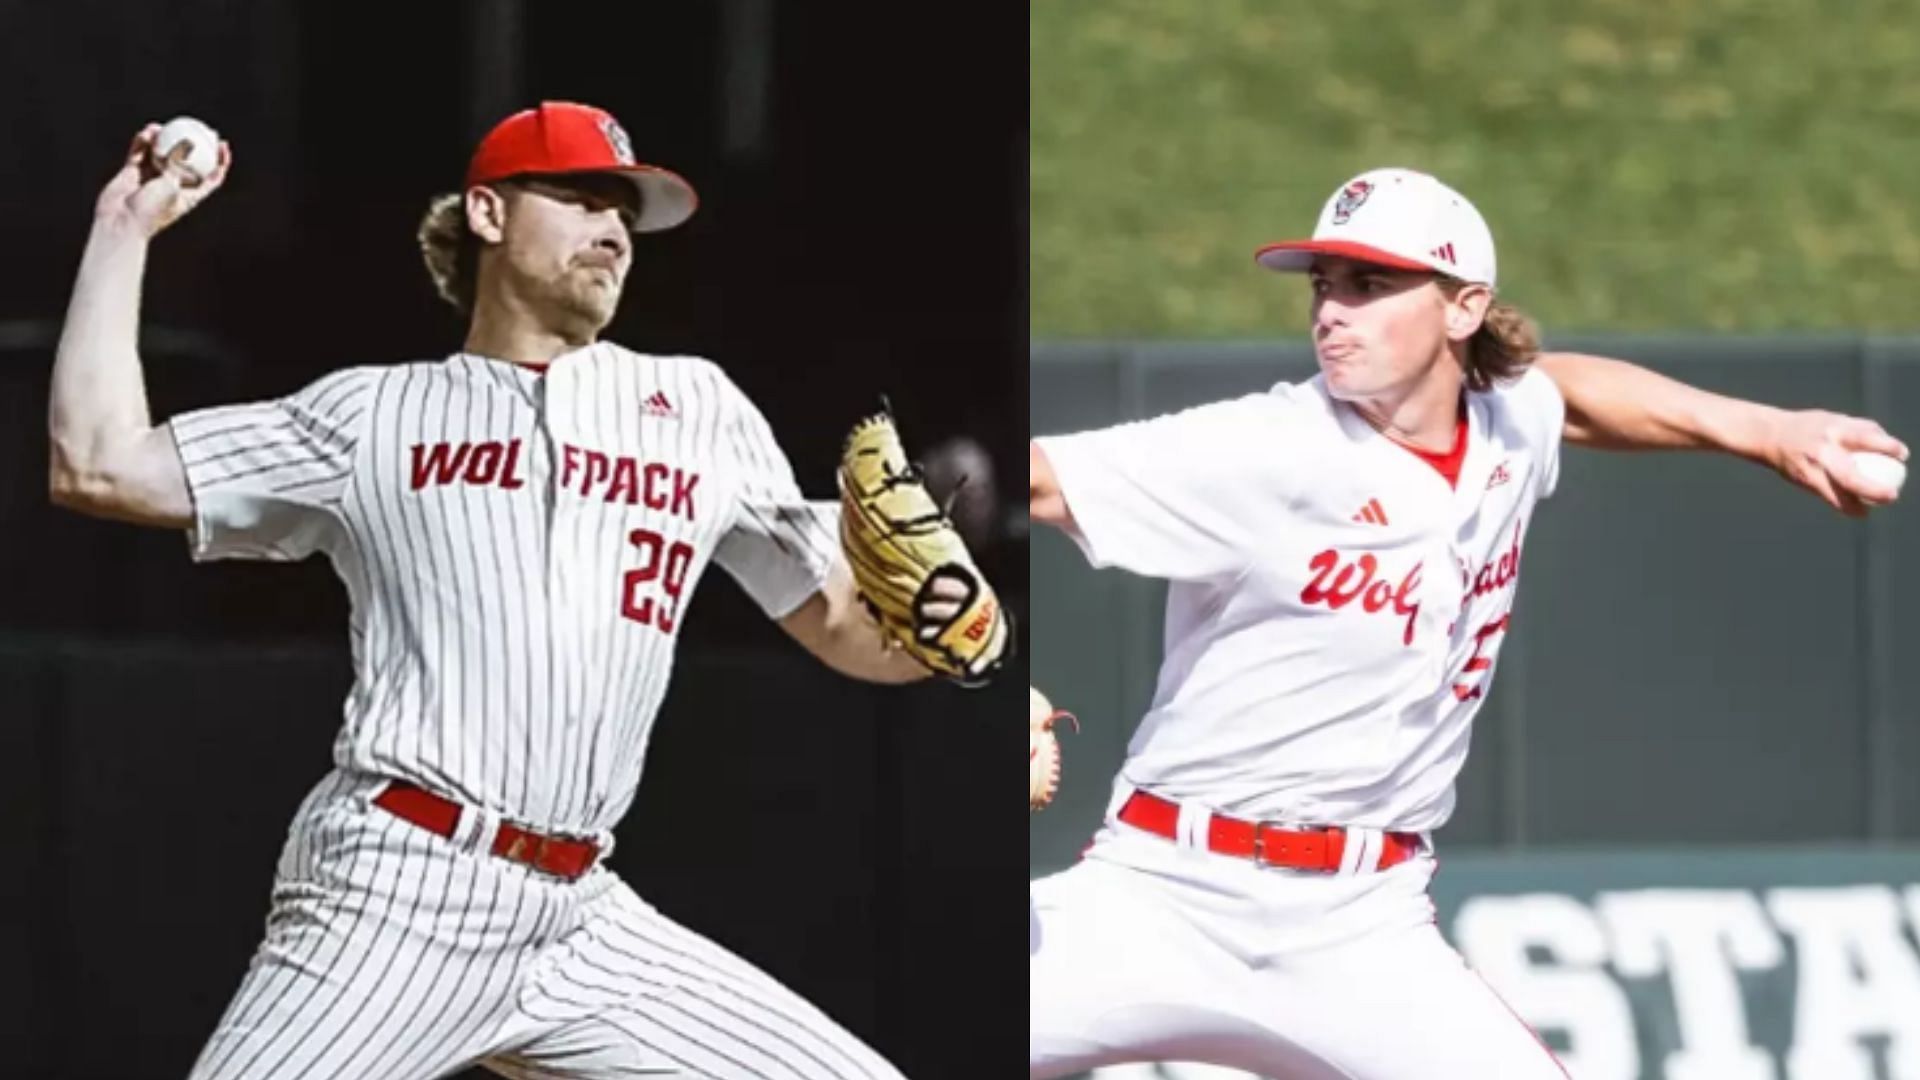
<point>1334,607</point>
<point>519,547</point>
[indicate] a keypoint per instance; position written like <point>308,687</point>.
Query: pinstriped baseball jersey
<point>519,546</point>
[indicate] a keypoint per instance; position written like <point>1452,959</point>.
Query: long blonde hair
<point>450,250</point>
<point>1505,345</point>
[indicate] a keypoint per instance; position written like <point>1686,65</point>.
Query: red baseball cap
<point>562,137</point>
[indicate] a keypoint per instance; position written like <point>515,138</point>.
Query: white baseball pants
<point>1150,951</point>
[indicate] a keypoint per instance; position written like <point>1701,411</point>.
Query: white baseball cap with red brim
<point>1398,218</point>
<point>564,137</point>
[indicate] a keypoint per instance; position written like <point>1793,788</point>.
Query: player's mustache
<point>599,258</point>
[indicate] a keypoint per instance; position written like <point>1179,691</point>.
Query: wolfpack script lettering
<point>1339,580</point>
<point>1337,583</point>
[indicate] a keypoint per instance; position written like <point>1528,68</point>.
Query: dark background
<point>862,230</point>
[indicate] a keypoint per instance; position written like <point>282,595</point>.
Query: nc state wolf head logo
<point>617,140</point>
<point>1350,199</point>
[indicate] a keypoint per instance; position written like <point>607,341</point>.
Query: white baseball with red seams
<point>1336,605</point>
<point>1889,472</point>
<point>203,145</point>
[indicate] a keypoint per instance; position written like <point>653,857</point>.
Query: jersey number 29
<point>662,562</point>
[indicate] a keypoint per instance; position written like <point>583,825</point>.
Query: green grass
<point>1743,165</point>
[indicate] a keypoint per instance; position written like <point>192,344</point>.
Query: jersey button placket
<point>559,431</point>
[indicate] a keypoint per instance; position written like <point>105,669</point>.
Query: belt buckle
<point>518,851</point>
<point>1260,845</point>
<point>1260,842</point>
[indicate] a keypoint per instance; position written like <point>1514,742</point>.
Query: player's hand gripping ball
<point>913,571</point>
<point>1883,469</point>
<point>168,171</point>
<point>1043,749</point>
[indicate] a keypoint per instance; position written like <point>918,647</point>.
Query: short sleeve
<point>266,478</point>
<point>781,546</point>
<point>1537,401</point>
<point>1169,497</point>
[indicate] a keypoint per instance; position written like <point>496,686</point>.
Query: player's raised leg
<point>1127,967</point>
<point>632,993</point>
<point>1116,975</point>
<point>387,955</point>
<point>1405,1006</point>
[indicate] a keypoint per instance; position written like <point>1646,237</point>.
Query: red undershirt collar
<point>1446,463</point>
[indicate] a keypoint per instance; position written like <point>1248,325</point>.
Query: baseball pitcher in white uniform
<point>519,527</point>
<point>1342,557</point>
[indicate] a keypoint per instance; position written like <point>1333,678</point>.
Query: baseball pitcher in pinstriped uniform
<point>519,527</point>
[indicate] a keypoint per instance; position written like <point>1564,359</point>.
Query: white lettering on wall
<point>1575,995</point>
<point>1858,977</point>
<point>1698,937</point>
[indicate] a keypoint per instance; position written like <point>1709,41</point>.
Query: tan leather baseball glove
<point>907,558</point>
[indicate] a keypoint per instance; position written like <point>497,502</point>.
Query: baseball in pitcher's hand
<point>1813,448</point>
<point>150,198</point>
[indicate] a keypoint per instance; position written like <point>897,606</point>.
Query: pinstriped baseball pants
<point>391,952</point>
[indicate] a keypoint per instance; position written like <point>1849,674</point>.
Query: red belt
<point>1270,845</point>
<point>560,856</point>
